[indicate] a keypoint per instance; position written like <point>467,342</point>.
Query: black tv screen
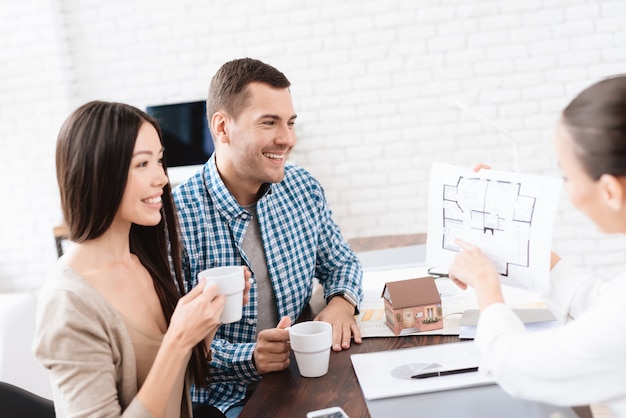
<point>186,136</point>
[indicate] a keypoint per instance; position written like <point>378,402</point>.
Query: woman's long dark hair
<point>94,150</point>
<point>596,121</point>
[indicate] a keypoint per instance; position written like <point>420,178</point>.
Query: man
<point>247,206</point>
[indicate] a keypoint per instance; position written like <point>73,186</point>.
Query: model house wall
<point>412,305</point>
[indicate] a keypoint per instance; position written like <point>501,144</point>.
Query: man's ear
<point>613,191</point>
<point>219,121</point>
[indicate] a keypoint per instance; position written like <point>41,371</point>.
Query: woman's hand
<point>197,314</point>
<point>480,166</point>
<point>472,268</point>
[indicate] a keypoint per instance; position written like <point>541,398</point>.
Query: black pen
<point>444,373</point>
<point>437,272</point>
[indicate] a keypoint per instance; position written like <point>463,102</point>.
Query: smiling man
<point>248,206</point>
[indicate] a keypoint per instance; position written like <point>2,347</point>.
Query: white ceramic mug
<point>311,342</point>
<point>230,281</point>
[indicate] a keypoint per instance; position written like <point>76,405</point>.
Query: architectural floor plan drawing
<point>509,216</point>
<point>497,215</point>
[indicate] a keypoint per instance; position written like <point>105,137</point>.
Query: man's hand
<point>246,290</point>
<point>340,314</point>
<point>272,350</point>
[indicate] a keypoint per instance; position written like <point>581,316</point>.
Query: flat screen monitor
<point>186,137</point>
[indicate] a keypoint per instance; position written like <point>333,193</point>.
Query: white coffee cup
<point>230,281</point>
<point>311,342</point>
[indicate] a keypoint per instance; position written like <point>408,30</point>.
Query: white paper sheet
<point>387,374</point>
<point>509,216</point>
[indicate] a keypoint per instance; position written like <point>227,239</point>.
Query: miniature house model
<point>412,305</point>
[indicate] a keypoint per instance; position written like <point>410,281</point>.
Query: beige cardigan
<point>85,346</point>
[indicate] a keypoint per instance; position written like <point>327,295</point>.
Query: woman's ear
<point>613,191</point>
<point>219,121</point>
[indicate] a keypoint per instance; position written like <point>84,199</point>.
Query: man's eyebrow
<point>276,117</point>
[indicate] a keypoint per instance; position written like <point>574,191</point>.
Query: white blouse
<point>579,363</point>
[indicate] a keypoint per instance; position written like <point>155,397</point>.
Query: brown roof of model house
<point>412,292</point>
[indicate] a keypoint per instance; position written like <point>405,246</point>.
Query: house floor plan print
<point>509,216</point>
<point>497,215</point>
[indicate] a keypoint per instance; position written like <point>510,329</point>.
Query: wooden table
<point>286,394</point>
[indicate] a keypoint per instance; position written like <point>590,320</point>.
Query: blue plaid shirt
<point>301,241</point>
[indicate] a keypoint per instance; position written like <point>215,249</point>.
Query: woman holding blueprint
<point>583,361</point>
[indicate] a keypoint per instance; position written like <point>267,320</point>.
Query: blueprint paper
<point>509,216</point>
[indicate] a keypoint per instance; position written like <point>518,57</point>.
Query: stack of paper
<point>534,319</point>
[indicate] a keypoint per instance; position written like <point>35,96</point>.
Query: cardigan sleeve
<point>76,343</point>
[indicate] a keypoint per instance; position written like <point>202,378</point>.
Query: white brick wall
<point>35,70</point>
<point>373,84</point>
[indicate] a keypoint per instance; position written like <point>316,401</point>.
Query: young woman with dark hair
<point>582,362</point>
<point>112,327</point>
